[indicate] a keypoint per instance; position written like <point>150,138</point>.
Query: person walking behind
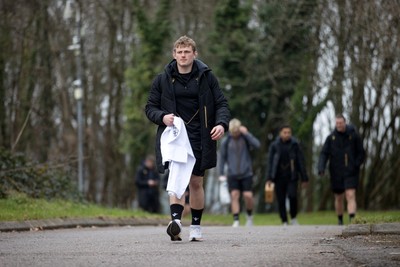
<point>189,90</point>
<point>344,150</point>
<point>147,182</point>
<point>235,153</point>
<point>285,165</point>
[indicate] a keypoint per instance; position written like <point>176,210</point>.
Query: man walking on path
<point>344,150</point>
<point>188,89</point>
<point>235,153</point>
<point>285,165</point>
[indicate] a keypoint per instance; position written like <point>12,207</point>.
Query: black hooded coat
<point>212,109</point>
<point>345,154</point>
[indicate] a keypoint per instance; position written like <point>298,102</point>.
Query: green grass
<point>312,218</point>
<point>377,217</point>
<point>19,207</point>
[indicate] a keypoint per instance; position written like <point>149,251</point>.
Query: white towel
<point>176,148</point>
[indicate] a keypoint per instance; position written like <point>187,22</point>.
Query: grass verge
<point>19,207</point>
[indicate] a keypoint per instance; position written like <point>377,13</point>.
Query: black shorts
<point>340,184</point>
<point>241,184</point>
<point>196,169</point>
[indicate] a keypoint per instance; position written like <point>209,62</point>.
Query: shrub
<point>37,181</point>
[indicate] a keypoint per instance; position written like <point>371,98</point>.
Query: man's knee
<point>339,196</point>
<point>350,194</point>
<point>248,194</point>
<point>196,183</point>
<point>235,194</point>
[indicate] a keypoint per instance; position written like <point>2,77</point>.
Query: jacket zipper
<point>346,160</point>
<point>205,116</point>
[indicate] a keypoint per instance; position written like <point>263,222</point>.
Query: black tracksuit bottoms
<point>285,187</point>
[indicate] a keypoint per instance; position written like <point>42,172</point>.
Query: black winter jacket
<point>297,164</point>
<point>345,153</point>
<point>143,175</point>
<point>213,110</point>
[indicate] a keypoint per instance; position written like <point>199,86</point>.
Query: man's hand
<point>152,182</point>
<point>304,185</point>
<point>168,119</point>
<point>217,132</point>
<point>321,173</point>
<point>243,130</point>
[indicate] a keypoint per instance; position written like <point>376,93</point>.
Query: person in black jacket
<point>147,182</point>
<point>285,165</point>
<point>344,150</point>
<point>187,88</point>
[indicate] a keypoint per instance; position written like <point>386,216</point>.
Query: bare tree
<point>362,42</point>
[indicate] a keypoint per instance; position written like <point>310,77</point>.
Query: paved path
<point>223,246</point>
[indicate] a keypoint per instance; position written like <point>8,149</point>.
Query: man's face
<point>285,134</point>
<point>149,163</point>
<point>340,125</point>
<point>235,133</point>
<point>184,56</point>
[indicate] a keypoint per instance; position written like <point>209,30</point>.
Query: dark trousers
<point>285,187</point>
<point>148,199</point>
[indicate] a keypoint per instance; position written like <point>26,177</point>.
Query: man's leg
<point>339,206</point>
<point>174,228</point>
<point>152,202</point>
<point>292,194</point>
<point>249,202</point>
<point>247,187</point>
<point>196,200</point>
<point>235,206</point>
<point>351,203</point>
<point>196,196</point>
<point>281,190</point>
<point>248,199</point>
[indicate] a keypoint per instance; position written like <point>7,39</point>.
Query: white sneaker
<point>285,224</point>
<point>195,233</point>
<point>249,221</point>
<point>294,222</point>
<point>236,223</point>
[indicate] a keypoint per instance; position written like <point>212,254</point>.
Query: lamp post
<point>77,84</point>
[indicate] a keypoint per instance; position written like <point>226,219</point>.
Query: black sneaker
<point>174,229</point>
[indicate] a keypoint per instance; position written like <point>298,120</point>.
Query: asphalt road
<point>223,246</point>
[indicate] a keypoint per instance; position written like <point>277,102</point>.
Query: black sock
<point>196,216</point>
<point>340,219</point>
<point>176,211</point>
<point>236,217</point>
<point>351,216</point>
<point>249,212</point>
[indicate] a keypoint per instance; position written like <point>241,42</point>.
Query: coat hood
<point>171,69</point>
<point>292,141</point>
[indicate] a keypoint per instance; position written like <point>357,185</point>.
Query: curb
<point>368,229</point>
<point>51,224</point>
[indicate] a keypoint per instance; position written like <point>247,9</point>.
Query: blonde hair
<point>234,125</point>
<point>185,41</point>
